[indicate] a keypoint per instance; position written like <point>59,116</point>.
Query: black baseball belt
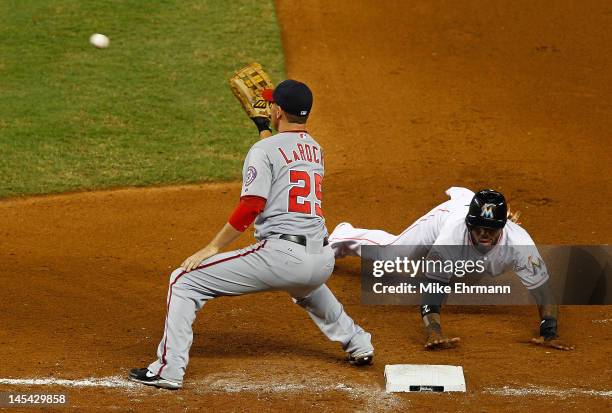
<point>299,239</point>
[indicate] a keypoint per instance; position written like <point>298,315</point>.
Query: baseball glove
<point>247,85</point>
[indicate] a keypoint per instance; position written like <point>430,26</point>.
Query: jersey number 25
<point>301,189</point>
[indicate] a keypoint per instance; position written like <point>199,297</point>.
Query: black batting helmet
<point>488,209</point>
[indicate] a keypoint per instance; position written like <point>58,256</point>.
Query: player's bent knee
<point>300,296</point>
<point>175,274</point>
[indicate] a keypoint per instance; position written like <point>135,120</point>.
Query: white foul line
<point>236,384</point>
<point>229,383</point>
<point>532,390</point>
<point>112,382</point>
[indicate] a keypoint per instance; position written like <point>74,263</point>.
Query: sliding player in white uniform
<point>467,219</point>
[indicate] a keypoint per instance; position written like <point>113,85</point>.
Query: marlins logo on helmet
<point>487,210</point>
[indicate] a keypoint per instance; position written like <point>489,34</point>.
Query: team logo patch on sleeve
<point>534,261</point>
<point>251,175</point>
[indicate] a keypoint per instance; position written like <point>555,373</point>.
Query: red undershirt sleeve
<point>247,210</point>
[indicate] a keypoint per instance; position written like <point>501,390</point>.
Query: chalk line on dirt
<point>370,395</point>
<point>533,390</point>
<point>111,382</point>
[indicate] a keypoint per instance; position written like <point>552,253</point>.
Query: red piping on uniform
<point>412,226</point>
<point>210,264</point>
<point>406,230</point>
<point>355,239</point>
<point>374,242</point>
<point>396,238</point>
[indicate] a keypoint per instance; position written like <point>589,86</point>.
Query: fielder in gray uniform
<point>281,189</point>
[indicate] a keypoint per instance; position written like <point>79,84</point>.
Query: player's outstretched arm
<point>549,311</point>
<point>435,338</point>
<point>430,312</point>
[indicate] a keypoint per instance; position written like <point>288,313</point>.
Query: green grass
<point>153,108</point>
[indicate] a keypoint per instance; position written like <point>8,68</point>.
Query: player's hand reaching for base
<point>552,343</point>
<point>436,340</point>
<point>196,259</point>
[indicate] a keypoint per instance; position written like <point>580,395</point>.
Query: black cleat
<point>144,376</point>
<point>364,358</point>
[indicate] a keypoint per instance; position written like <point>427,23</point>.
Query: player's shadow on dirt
<point>244,344</point>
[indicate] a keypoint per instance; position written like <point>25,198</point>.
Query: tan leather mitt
<point>247,85</point>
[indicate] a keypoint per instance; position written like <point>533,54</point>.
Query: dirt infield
<point>410,98</point>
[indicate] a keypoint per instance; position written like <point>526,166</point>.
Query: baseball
<point>99,40</point>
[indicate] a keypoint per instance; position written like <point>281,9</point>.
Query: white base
<point>423,378</point>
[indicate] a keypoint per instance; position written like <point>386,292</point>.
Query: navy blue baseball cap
<point>292,96</point>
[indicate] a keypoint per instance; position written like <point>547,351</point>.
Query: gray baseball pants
<point>272,264</point>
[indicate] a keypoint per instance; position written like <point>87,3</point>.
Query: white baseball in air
<point>99,40</point>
